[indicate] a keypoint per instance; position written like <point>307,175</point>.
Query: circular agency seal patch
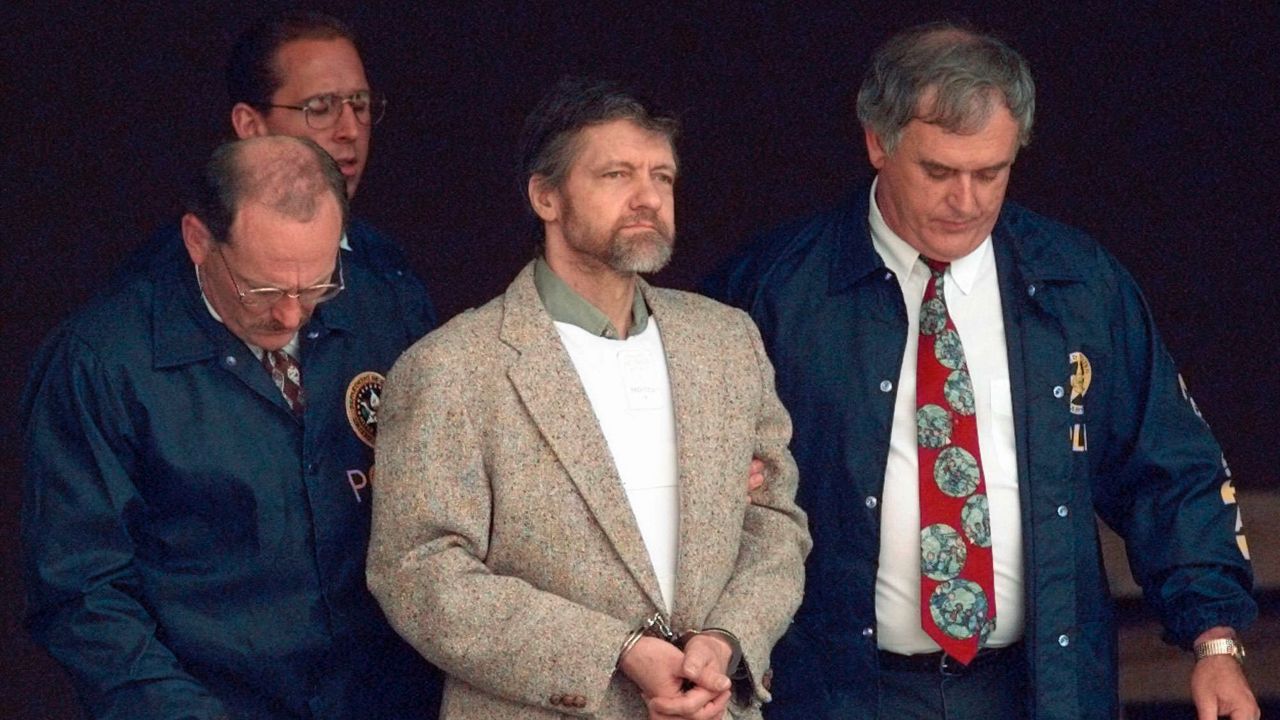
<point>364,395</point>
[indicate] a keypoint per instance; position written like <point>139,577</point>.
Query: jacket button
<point>888,274</point>
<point>886,386</point>
<point>1063,640</point>
<point>313,334</point>
<point>555,699</point>
<point>1063,511</point>
<point>1058,392</point>
<point>868,632</point>
<point>229,361</point>
<point>1031,289</point>
<point>871,501</point>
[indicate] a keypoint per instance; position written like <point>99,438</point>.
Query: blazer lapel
<point>548,385</point>
<point>695,383</point>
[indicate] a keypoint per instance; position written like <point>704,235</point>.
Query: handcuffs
<point>657,626</point>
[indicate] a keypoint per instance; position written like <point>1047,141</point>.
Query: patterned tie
<point>287,374</point>
<point>957,582</point>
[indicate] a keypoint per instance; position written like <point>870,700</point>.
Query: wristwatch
<point>1221,646</point>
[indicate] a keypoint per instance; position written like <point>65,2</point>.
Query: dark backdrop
<point>1156,131</point>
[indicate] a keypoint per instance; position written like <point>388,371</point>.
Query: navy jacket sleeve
<point>1166,488</point>
<point>82,588</point>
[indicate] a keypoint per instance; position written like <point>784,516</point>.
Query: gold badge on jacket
<point>1228,491</point>
<point>364,395</point>
<point>1081,378</point>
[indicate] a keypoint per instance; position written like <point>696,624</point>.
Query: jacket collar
<point>855,257</point>
<point>1039,255</point>
<point>184,332</point>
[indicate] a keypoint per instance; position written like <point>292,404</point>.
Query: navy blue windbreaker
<point>1136,453</point>
<point>191,550</point>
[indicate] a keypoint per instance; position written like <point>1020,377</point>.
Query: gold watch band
<point>1221,646</point>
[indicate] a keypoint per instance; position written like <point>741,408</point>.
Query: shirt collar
<point>565,305</point>
<point>902,259</point>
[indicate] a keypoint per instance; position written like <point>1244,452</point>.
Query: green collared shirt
<point>567,306</point>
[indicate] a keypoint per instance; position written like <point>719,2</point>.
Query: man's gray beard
<point>646,253</point>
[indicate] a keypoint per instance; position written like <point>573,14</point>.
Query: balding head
<point>272,210</point>
<point>289,175</point>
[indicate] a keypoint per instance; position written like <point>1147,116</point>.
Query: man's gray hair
<point>288,174</point>
<point>947,75</point>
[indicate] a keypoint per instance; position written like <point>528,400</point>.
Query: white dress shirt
<point>972,295</point>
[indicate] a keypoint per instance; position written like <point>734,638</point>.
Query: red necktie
<point>957,578</point>
<point>287,374</point>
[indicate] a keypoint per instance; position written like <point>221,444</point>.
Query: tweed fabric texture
<point>503,545</point>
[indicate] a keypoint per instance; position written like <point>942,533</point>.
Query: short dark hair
<point>253,75</point>
<point>965,74</point>
<point>289,175</point>
<point>547,142</point>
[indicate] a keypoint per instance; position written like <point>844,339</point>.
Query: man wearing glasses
<point>299,74</point>
<point>199,453</point>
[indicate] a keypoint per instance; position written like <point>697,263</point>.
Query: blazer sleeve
<point>768,580</point>
<point>84,596</point>
<point>432,505</point>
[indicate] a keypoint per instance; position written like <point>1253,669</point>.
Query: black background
<point>1156,131</point>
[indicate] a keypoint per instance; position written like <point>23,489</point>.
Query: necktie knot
<point>287,375</point>
<point>937,267</point>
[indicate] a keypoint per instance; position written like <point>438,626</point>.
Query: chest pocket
<point>1004,446</point>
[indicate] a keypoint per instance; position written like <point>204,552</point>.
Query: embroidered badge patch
<point>364,395</point>
<point>1081,378</point>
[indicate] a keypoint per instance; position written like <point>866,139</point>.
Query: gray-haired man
<point>970,383</point>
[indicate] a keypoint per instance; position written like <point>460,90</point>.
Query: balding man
<point>199,445</point>
<point>300,74</point>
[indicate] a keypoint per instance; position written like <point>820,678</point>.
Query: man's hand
<point>755,476</point>
<point>1218,684</point>
<point>653,665</point>
<point>706,657</point>
<point>661,670</point>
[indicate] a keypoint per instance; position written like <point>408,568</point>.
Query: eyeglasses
<point>267,296</point>
<point>321,112</point>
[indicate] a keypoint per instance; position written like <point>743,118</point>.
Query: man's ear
<point>248,122</point>
<point>544,199</point>
<point>875,148</point>
<point>197,238</point>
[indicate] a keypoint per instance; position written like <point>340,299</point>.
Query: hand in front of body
<point>689,685</point>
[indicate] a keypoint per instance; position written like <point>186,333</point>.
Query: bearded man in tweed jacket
<point>560,472</point>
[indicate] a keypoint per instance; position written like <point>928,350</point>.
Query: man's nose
<point>960,195</point>
<point>288,311</point>
<point>347,128</point>
<point>646,194</point>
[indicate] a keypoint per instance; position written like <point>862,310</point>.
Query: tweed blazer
<point>504,547</point>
